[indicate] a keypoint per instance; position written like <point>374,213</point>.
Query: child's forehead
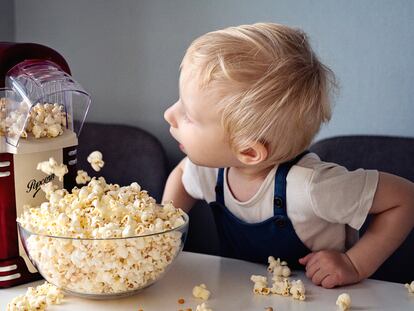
<point>189,73</point>
<point>210,94</point>
<point>191,77</point>
<point>204,101</point>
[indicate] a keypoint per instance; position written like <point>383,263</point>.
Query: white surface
<point>231,289</point>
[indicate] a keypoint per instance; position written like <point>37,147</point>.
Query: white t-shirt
<point>321,198</point>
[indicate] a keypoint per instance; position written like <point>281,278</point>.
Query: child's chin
<point>201,163</point>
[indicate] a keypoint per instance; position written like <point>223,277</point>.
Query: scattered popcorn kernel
<point>36,298</point>
<point>203,307</point>
<point>410,287</point>
<point>281,271</point>
<point>260,285</point>
<point>344,301</point>
<point>268,309</point>
<point>272,263</point>
<point>278,268</point>
<point>51,167</point>
<point>201,291</point>
<point>297,290</point>
<point>82,177</point>
<point>281,287</point>
<point>95,159</point>
<point>181,301</point>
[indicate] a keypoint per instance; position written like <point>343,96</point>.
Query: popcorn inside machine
<point>42,110</point>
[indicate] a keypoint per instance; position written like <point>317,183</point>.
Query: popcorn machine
<point>42,110</point>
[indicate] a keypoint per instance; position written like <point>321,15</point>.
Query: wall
<point>126,53</point>
<point>6,20</point>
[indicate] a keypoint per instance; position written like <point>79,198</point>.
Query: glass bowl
<point>104,268</point>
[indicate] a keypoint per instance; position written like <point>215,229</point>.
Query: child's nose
<point>169,116</point>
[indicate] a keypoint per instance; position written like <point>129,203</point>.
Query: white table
<point>231,288</point>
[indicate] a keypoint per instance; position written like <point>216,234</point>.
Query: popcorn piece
<point>344,301</point>
<point>260,285</point>
<point>272,263</point>
<point>101,210</point>
<point>281,286</point>
<point>268,309</point>
<point>82,177</point>
<point>3,129</point>
<point>51,167</point>
<point>181,301</point>
<point>44,120</point>
<point>95,159</point>
<point>410,287</point>
<point>201,291</point>
<point>203,307</point>
<point>297,290</point>
<point>281,283</point>
<point>278,268</point>
<point>36,298</point>
<point>282,271</point>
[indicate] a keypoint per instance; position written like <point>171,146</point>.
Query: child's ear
<point>253,155</point>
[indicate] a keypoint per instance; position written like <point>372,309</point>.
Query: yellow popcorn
<point>260,285</point>
<point>281,282</point>
<point>344,301</point>
<point>36,298</point>
<point>203,307</point>
<point>95,159</point>
<point>272,263</point>
<point>278,268</point>
<point>297,290</point>
<point>201,291</point>
<point>99,210</point>
<point>82,177</point>
<point>280,286</point>
<point>51,167</point>
<point>2,116</point>
<point>44,120</point>
<point>410,287</point>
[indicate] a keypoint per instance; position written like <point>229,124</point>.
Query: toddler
<point>252,98</point>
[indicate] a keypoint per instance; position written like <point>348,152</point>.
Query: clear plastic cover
<point>42,82</point>
<point>14,112</point>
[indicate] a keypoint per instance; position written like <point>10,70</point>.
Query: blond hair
<point>276,89</point>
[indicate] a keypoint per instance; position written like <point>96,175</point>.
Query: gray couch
<point>132,154</point>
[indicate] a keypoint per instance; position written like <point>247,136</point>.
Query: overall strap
<point>279,203</point>
<point>280,184</point>
<point>219,187</point>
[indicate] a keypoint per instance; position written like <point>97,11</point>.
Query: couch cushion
<point>130,154</point>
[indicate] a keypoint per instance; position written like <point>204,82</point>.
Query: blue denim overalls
<point>257,241</point>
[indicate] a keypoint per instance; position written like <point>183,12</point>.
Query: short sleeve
<point>191,180</point>
<point>341,196</point>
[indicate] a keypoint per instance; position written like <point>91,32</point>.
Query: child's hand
<point>330,269</point>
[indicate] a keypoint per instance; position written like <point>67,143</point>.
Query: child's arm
<point>174,189</point>
<point>393,206</point>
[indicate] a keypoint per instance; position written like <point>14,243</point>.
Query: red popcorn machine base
<point>32,74</point>
<point>14,272</point>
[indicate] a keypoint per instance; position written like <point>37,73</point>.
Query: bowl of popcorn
<point>102,240</point>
